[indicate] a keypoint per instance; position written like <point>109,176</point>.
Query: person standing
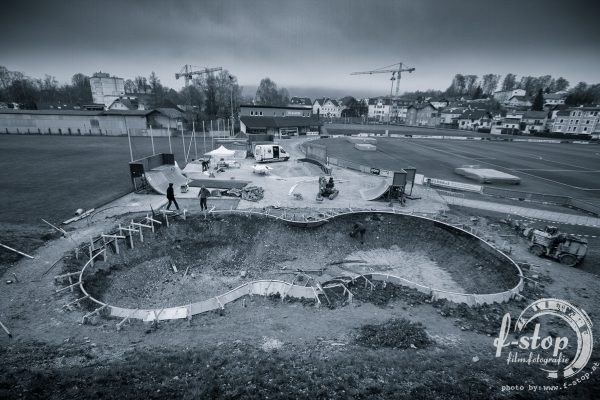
<point>171,196</point>
<point>358,229</point>
<point>203,195</point>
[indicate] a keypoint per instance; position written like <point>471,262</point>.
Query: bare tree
<point>490,83</point>
<point>509,81</point>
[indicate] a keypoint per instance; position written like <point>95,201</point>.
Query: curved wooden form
<point>286,289</point>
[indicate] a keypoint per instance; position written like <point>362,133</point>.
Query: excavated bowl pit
<point>216,254</point>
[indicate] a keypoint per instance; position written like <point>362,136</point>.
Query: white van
<point>270,152</point>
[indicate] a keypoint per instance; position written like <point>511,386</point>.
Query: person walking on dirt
<point>358,229</point>
<point>171,196</point>
<point>203,195</point>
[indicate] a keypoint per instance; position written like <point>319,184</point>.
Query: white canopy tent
<point>221,152</point>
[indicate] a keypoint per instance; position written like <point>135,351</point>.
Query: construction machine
<point>568,249</point>
<point>326,189</point>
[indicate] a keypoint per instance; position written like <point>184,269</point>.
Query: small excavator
<point>326,189</point>
<point>568,249</point>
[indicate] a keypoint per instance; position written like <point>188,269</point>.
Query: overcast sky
<point>304,43</point>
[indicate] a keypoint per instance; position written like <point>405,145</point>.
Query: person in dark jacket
<point>171,196</point>
<point>203,195</point>
<point>358,229</point>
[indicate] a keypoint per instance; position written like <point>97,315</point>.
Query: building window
<point>561,121</point>
<point>260,114</point>
<point>585,129</point>
<point>576,121</point>
<point>251,112</point>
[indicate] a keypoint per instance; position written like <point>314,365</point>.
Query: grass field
<point>52,176</point>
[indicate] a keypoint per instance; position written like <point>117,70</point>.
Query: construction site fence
<point>543,198</point>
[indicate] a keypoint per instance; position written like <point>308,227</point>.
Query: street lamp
<point>232,117</point>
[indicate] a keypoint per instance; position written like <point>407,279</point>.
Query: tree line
<point>475,87</point>
<point>209,95</point>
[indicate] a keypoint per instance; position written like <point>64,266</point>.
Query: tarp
<point>222,151</point>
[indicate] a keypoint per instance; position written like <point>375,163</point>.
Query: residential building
<point>449,116</point>
<point>518,101</point>
<point>127,103</point>
<point>300,101</point>
<point>533,121</point>
<point>553,99</point>
<point>503,95</point>
<point>439,103</point>
<point>162,118</point>
<point>508,124</point>
<point>278,121</point>
<point>327,107</point>
<point>578,120</point>
<point>474,120</point>
<point>423,114</point>
<point>106,89</point>
<point>383,110</point>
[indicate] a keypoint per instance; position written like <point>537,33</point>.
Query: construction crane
<point>188,71</point>
<point>396,74</point>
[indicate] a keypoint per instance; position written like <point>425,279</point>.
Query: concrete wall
<point>254,111</point>
<point>71,124</point>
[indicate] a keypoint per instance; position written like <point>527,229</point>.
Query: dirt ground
<point>390,342</point>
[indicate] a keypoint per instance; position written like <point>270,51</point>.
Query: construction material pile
<point>365,147</point>
<point>250,193</point>
<point>486,175</point>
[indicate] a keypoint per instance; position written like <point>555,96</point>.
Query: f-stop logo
<point>547,351</point>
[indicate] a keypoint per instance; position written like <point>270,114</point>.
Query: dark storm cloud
<point>304,43</point>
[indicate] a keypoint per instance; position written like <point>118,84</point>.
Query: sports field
<point>561,169</point>
<point>51,176</point>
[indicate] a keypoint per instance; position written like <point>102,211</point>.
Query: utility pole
<point>194,137</point>
<point>232,117</point>
<point>152,140</point>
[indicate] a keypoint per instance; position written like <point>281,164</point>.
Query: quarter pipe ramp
<point>159,178</point>
<point>377,192</point>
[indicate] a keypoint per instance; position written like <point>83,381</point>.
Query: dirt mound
<point>395,333</point>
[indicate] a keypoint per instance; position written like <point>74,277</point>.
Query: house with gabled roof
<point>518,101</point>
<point>449,116</point>
<point>534,121</point>
<point>327,107</point>
<point>300,101</point>
<point>126,103</point>
<point>422,114</point>
<point>473,120</point>
<point>553,99</point>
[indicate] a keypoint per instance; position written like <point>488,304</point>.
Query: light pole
<point>232,118</point>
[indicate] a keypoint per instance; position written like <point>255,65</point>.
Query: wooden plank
<point>16,251</point>
<point>5,329</point>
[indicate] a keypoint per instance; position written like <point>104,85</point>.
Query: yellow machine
<point>568,249</point>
